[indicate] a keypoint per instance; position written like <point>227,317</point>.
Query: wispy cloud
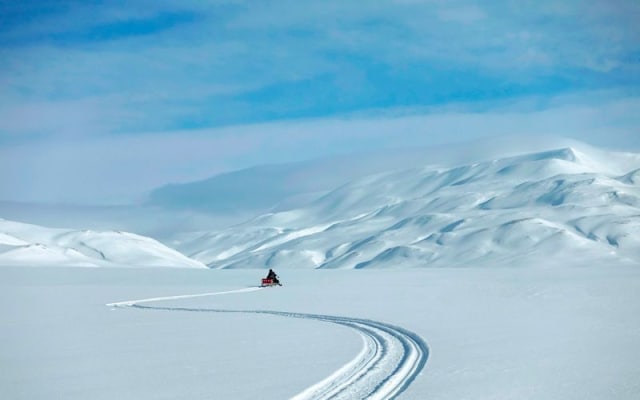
<point>107,31</point>
<point>103,71</point>
<point>226,62</point>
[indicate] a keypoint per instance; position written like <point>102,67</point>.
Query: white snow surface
<point>568,205</point>
<point>492,333</point>
<point>32,245</point>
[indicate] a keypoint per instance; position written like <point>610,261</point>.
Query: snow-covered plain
<point>543,302</point>
<point>493,333</point>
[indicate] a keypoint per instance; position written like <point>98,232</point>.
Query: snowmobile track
<point>390,360</point>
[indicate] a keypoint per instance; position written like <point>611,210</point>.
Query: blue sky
<point>180,91</point>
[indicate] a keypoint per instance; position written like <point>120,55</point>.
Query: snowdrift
<point>561,206</point>
<point>32,245</point>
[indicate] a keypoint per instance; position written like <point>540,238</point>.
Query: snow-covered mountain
<point>279,187</point>
<point>230,198</point>
<point>552,207</point>
<point>32,245</point>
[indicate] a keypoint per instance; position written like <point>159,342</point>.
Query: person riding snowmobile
<point>272,275</point>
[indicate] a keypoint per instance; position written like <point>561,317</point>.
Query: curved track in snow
<point>391,358</point>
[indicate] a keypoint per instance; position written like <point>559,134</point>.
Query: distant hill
<point>31,245</point>
<point>569,205</point>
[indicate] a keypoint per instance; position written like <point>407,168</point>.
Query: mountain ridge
<point>531,207</point>
<point>566,205</point>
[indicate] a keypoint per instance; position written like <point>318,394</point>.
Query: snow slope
<point>567,205</point>
<point>280,187</point>
<point>25,244</point>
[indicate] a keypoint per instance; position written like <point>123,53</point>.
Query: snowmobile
<point>271,279</point>
<point>268,282</point>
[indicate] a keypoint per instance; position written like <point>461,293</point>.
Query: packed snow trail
<point>130,303</point>
<point>391,358</point>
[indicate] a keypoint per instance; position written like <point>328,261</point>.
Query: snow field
<point>554,333</point>
<point>390,360</point>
